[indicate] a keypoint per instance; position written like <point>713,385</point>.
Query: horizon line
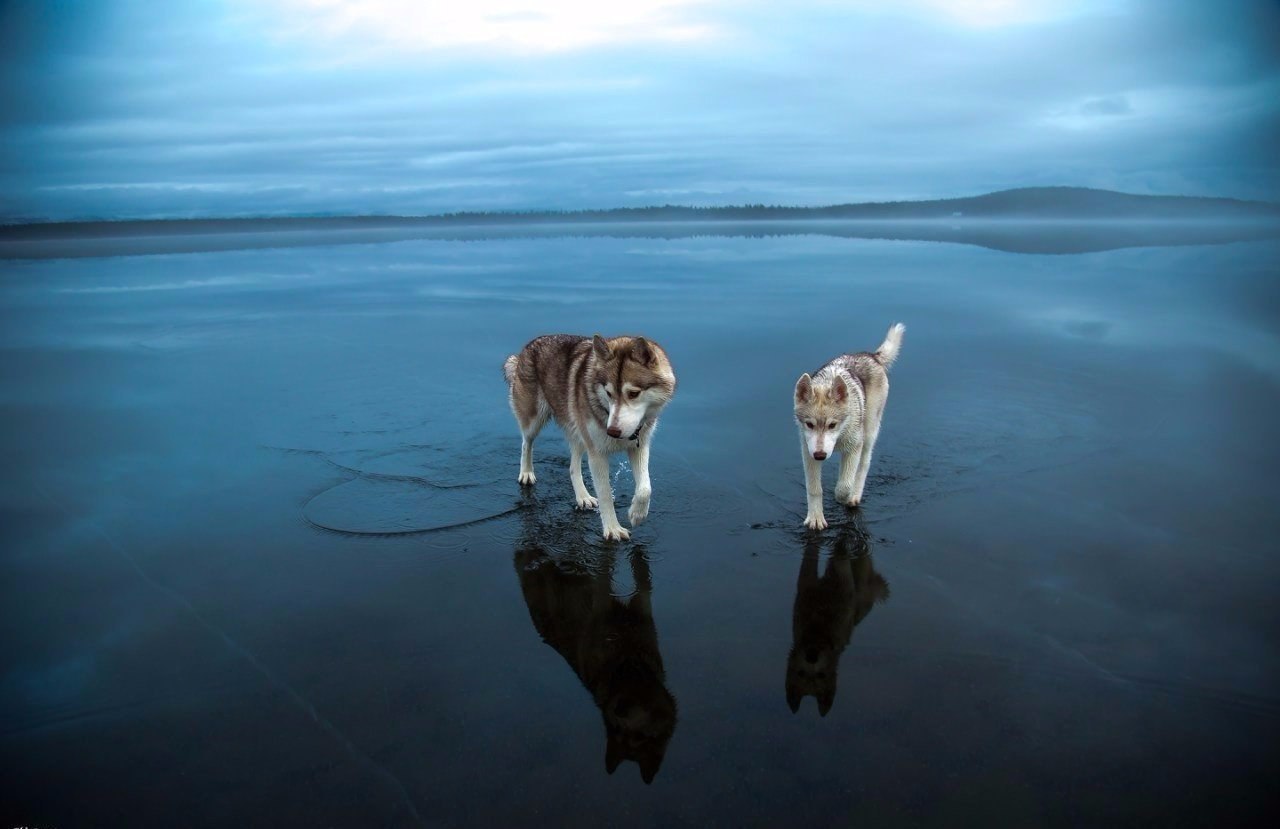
<point>16,221</point>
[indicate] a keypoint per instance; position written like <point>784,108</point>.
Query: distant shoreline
<point>1051,236</point>
<point>1062,205</point>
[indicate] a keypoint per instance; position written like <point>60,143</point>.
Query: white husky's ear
<point>601,347</point>
<point>804,388</point>
<point>839,390</point>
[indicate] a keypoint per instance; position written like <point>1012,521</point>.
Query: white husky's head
<point>821,412</point>
<point>632,381</point>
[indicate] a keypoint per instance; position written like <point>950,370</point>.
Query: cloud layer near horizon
<point>391,106</point>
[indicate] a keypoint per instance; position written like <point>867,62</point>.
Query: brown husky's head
<point>821,411</point>
<point>632,380</point>
<point>639,719</point>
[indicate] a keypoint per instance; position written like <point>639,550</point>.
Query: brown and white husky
<point>840,408</point>
<point>606,395</point>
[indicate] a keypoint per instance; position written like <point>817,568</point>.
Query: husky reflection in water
<point>611,643</point>
<point>827,610</point>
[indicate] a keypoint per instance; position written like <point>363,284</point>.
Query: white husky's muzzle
<point>821,443</point>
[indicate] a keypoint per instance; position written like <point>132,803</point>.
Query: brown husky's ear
<point>825,699</point>
<point>840,389</point>
<point>649,765</point>
<point>793,698</point>
<point>804,388</point>
<point>601,347</point>
<point>641,351</point>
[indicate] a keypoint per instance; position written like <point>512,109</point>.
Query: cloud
<point>1110,105</point>
<point>150,109</point>
<point>507,25</point>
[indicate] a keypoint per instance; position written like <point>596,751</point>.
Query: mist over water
<point>266,559</point>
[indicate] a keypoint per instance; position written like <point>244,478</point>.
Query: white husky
<point>839,408</point>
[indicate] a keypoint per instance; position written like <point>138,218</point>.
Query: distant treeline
<point>1029,203</point>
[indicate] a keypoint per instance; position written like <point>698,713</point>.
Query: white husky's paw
<point>587,502</point>
<point>815,521</point>
<point>527,478</point>
<point>639,508</point>
<point>616,533</point>
<point>843,493</point>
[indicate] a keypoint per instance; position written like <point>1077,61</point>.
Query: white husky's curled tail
<point>888,350</point>
<point>509,369</point>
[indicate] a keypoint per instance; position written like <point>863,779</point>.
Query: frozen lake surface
<point>266,562</point>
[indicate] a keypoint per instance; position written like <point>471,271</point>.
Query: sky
<point>317,107</point>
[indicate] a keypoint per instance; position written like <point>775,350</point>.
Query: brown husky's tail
<point>509,369</point>
<point>888,350</point>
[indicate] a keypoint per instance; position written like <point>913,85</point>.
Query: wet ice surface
<point>265,560</point>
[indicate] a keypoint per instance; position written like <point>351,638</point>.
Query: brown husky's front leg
<point>580,494</point>
<point>640,469</point>
<point>613,531</point>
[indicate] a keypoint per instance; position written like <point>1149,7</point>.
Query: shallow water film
<point>266,561</point>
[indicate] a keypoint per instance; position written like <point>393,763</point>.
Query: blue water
<point>266,562</point>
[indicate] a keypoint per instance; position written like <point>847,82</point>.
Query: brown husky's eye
<point>633,394</point>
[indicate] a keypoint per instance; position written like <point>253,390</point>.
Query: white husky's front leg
<point>864,464</point>
<point>848,492</point>
<point>613,531</point>
<point>580,494</point>
<point>814,519</point>
<point>640,469</point>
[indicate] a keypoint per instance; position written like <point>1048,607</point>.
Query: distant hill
<point>1062,203</point>
<point>1076,204</point>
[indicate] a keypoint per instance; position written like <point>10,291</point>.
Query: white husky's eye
<point>831,425</point>
<point>809,423</point>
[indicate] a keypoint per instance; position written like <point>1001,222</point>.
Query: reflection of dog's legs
<point>529,430</point>
<point>808,569</point>
<point>814,519</point>
<point>613,531</point>
<point>840,574</point>
<point>644,582</point>
<point>864,463</point>
<point>640,469</point>
<point>580,494</point>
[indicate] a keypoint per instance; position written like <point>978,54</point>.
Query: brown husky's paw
<point>639,510</point>
<point>587,502</point>
<point>527,479</point>
<point>616,533</point>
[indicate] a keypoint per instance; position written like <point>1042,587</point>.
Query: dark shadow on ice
<point>611,643</point>
<point>827,609</point>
